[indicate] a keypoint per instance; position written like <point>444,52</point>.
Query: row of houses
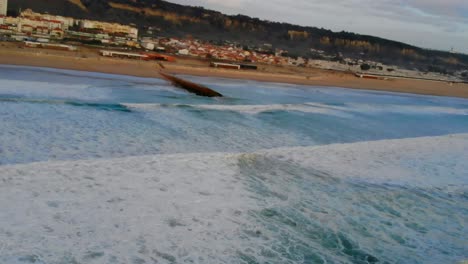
<point>34,24</point>
<point>226,52</point>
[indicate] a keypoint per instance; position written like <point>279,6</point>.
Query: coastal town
<point>48,31</point>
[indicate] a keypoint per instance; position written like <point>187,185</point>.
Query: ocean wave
<point>420,162</point>
<point>95,105</point>
<point>247,109</point>
<point>367,201</point>
<point>404,160</point>
<point>313,107</point>
<point>343,110</point>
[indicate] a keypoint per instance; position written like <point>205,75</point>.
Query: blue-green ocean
<point>100,168</point>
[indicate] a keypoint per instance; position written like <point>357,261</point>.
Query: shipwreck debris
<point>190,86</point>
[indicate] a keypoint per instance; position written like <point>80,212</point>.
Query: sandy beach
<point>89,60</point>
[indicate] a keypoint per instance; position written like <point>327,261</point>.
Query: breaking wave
<point>344,110</point>
<point>367,202</point>
<point>95,105</point>
<point>312,107</point>
<point>246,109</point>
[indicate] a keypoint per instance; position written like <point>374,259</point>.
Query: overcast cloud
<point>436,24</point>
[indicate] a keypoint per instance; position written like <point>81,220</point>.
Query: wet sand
<point>89,60</point>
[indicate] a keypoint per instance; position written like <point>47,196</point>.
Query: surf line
<point>189,86</point>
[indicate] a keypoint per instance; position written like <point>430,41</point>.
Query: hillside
<point>168,19</point>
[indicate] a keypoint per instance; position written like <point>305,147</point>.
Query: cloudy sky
<point>436,24</point>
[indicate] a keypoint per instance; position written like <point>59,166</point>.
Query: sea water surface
<point>100,168</point>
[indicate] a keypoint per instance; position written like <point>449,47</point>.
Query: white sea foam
<point>250,109</point>
<point>256,109</point>
<point>320,108</point>
<point>184,207</point>
<point>419,162</point>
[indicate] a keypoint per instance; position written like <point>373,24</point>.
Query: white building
<point>110,28</point>
<point>184,52</point>
<point>65,21</point>
<point>3,7</point>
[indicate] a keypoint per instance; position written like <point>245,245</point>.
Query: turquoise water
<point>272,173</point>
<point>61,115</point>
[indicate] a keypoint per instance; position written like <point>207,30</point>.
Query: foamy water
<point>110,169</point>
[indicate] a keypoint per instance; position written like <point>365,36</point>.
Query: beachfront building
<point>40,26</point>
<point>65,22</point>
<point>95,29</point>
<point>34,25</point>
<point>113,29</point>
<point>3,7</point>
<point>8,25</point>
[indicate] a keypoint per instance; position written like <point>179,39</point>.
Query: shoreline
<point>89,60</point>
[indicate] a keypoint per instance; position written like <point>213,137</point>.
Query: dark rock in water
<point>190,86</point>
